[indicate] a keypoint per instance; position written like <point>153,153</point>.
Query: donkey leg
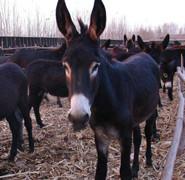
<point>126,142</point>
<point>155,135</point>
<point>170,94</point>
<point>102,144</point>
<point>24,107</point>
<point>46,97</point>
<point>19,119</point>
<point>35,100</point>
<point>137,143</point>
<point>14,127</point>
<point>164,88</point>
<point>59,102</point>
<point>148,133</point>
<point>159,103</point>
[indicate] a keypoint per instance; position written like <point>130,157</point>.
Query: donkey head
<point>154,49</point>
<point>129,43</point>
<point>81,60</point>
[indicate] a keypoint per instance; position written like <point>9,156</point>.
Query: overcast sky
<point>137,12</point>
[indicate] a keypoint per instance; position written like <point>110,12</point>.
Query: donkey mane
<point>83,27</point>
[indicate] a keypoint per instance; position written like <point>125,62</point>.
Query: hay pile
<point>62,154</point>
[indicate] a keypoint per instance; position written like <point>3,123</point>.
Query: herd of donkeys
<point>113,89</point>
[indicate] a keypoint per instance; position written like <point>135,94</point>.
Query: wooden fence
<point>14,42</point>
<point>178,142</point>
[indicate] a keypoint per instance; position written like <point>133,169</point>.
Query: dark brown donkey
<point>153,48</point>
<point>170,59</point>
<point>129,43</point>
<point>45,76</point>
<point>114,97</point>
<point>13,96</point>
<point>24,57</point>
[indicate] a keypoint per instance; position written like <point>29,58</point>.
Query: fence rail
<point>16,41</point>
<point>178,143</point>
<point>13,42</point>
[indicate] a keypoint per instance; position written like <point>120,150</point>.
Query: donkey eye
<point>64,65</point>
<point>94,69</point>
<point>165,75</point>
<point>67,69</point>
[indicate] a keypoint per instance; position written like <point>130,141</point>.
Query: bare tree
<point>36,25</point>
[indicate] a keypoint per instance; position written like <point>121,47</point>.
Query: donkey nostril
<point>78,122</point>
<point>70,117</point>
<point>83,119</point>
<point>86,118</point>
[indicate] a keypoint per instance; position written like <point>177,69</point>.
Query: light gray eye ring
<point>95,67</point>
<point>67,69</point>
<point>93,70</point>
<point>165,75</point>
<point>64,65</point>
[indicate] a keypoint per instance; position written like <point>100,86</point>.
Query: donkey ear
<point>98,20</point>
<point>166,41</point>
<point>140,42</point>
<point>64,21</point>
<point>133,38</point>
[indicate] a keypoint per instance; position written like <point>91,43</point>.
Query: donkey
<point>129,49</point>
<point>154,49</point>
<point>1,52</point>
<point>114,97</point>
<point>129,43</point>
<point>45,76</point>
<point>169,60</point>
<point>13,96</point>
<point>120,54</point>
<point>3,59</point>
<point>23,57</point>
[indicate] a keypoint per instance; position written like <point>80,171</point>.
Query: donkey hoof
<point>160,105</point>
<point>149,163</point>
<point>11,158</point>
<point>20,148</point>
<point>41,125</point>
<point>171,98</point>
<point>155,137</point>
<point>134,173</point>
<point>31,146</point>
<point>60,105</point>
<point>31,150</point>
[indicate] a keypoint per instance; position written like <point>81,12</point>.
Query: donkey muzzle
<point>168,84</point>
<point>78,123</point>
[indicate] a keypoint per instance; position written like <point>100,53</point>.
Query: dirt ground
<point>62,154</point>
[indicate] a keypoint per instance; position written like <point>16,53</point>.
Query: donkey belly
<point>60,91</point>
<point>145,111</point>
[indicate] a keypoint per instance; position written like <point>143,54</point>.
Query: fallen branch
<point>19,174</point>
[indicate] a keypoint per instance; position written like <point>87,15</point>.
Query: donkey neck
<point>113,75</point>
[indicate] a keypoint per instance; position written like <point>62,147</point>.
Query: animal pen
<point>73,156</point>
